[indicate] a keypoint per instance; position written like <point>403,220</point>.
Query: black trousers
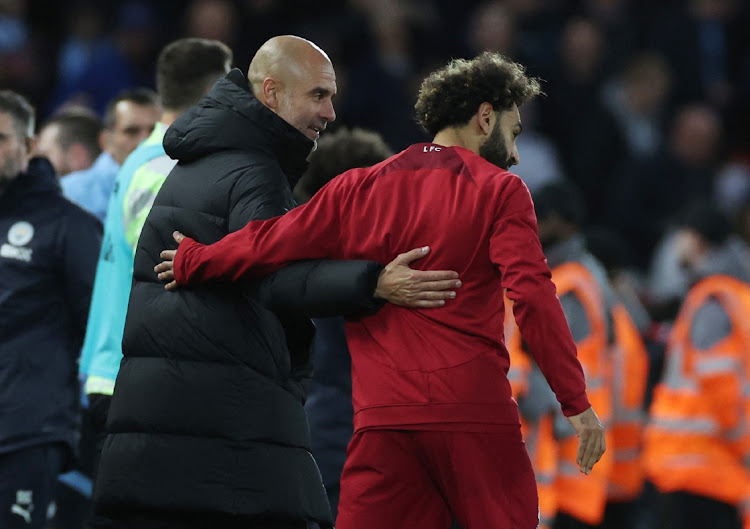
<point>28,478</point>
<point>73,508</point>
<point>97,412</point>
<point>565,521</point>
<point>682,510</point>
<point>154,520</point>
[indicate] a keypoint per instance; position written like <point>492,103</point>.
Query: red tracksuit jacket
<point>443,368</point>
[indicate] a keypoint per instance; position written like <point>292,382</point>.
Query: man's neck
<point>452,137</point>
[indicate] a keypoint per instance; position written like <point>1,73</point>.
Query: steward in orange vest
<point>697,443</point>
<point>586,296</point>
<point>630,376</point>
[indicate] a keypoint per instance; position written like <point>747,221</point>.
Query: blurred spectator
<point>732,189</point>
<point>590,143</point>
<point>85,33</point>
<point>213,20</point>
<point>638,99</point>
<point>587,300</point>
<point>655,189</point>
<point>539,163</point>
<point>129,119</point>
<point>702,41</point>
<point>338,152</point>
<point>492,28</point>
<point>537,24</point>
<point>616,19</point>
<point>700,411</point>
<point>387,68</point>
<point>616,257</point>
<point>329,400</point>
<point>124,61</point>
<point>47,263</point>
<point>70,140</point>
<point>670,279</point>
<point>18,58</point>
<point>733,180</point>
<point>631,372</point>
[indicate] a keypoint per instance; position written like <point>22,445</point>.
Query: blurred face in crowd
<point>14,151</point>
<point>48,145</point>
<point>553,229</point>
<point>695,135</point>
<point>582,48</point>
<point>133,123</point>
<point>500,146</point>
<point>689,248</point>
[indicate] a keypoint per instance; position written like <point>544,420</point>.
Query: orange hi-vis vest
<point>520,364</point>
<point>629,379</point>
<point>698,437</point>
<point>538,437</point>
<point>580,496</point>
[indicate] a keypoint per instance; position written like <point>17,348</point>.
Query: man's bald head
<point>284,58</point>
<point>295,79</point>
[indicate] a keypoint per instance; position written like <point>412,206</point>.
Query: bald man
<point>206,425</point>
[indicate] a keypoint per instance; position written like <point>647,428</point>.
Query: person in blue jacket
<point>48,253</point>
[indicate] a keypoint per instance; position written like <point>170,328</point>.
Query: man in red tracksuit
<point>436,429</point>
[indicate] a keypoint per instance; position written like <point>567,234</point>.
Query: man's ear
<point>485,117</point>
<point>269,95</point>
<point>79,157</point>
<point>104,139</point>
<point>30,144</point>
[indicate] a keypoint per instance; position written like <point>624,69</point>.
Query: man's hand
<point>591,444</point>
<point>165,269</point>
<point>407,287</point>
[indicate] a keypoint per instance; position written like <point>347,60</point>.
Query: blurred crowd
<point>646,110</point>
<point>646,107</point>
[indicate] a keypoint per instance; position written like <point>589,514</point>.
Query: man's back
<point>446,365</point>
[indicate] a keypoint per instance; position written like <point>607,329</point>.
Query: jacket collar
<point>230,117</point>
<point>39,178</point>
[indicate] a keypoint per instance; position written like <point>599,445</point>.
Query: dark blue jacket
<point>48,252</point>
<point>329,402</point>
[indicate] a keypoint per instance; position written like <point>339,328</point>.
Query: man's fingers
<point>166,276</point>
<point>426,286</point>
<point>167,255</point>
<point>178,237</point>
<point>164,266</point>
<point>426,304</point>
<point>593,451</point>
<point>582,439</point>
<point>596,452</point>
<point>432,295</point>
<point>588,454</point>
<point>171,286</point>
<point>433,275</point>
<point>412,255</point>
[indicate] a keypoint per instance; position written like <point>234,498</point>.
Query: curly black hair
<point>450,96</point>
<point>338,152</point>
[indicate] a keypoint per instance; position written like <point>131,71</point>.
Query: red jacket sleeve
<point>311,231</point>
<point>517,252</point>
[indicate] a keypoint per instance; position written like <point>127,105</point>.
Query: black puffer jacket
<point>207,414</point>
